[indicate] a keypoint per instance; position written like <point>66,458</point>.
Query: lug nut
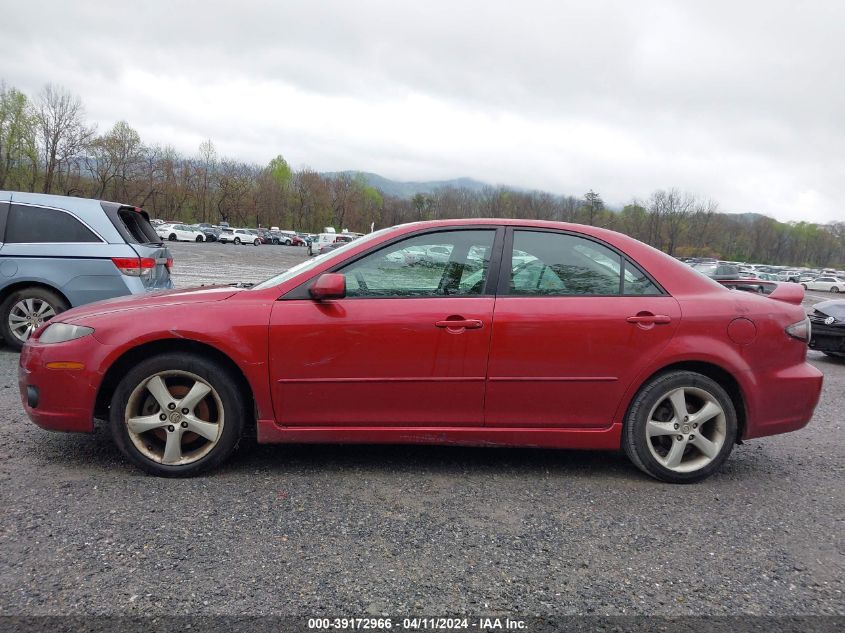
<point>171,406</point>
<point>691,437</point>
<point>162,417</point>
<point>171,428</point>
<point>676,425</point>
<point>184,425</point>
<point>680,438</point>
<point>185,411</point>
<point>686,418</point>
<point>695,426</point>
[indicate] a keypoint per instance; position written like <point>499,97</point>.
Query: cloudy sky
<point>742,101</point>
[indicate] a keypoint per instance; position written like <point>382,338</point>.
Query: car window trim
<point>44,206</point>
<point>301,292</point>
<point>506,266</point>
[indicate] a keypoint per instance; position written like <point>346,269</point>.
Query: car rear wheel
<point>237,241</point>
<point>256,242</point>
<point>199,238</point>
<point>23,312</point>
<point>172,237</point>
<point>176,415</point>
<point>804,286</point>
<point>680,428</point>
<point>834,289</point>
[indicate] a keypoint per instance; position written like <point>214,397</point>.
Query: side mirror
<point>329,286</point>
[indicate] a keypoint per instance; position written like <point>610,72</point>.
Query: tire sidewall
<point>226,386</point>
<point>635,440</point>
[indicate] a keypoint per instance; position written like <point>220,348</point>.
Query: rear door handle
<point>650,319</point>
<point>468,324</point>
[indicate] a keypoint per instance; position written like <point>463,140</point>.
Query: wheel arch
<point>720,375</point>
<point>121,364</point>
<point>32,283</point>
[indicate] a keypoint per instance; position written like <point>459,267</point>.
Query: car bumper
<point>784,402</point>
<point>60,399</point>
<point>826,338</point>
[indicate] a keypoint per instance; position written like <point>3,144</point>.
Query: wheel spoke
<point>160,392</point>
<point>208,430</point>
<point>30,307</point>
<point>679,404</point>
<point>142,424</point>
<point>173,447</point>
<point>709,411</point>
<point>676,453</point>
<point>708,449</point>
<point>17,318</point>
<point>42,308</point>
<point>655,428</point>
<point>199,391</point>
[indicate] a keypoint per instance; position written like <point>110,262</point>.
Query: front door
<point>407,346</point>
<point>574,322</point>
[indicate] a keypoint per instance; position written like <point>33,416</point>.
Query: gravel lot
<point>351,530</point>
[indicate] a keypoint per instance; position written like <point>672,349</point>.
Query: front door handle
<point>458,324</point>
<point>647,318</point>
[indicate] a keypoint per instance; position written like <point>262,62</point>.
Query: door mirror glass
<point>329,286</point>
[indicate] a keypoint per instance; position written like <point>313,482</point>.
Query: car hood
<point>146,301</point>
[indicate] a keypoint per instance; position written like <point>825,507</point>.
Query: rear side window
<point>28,225</point>
<point>138,225</point>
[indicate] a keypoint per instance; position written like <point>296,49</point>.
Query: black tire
<point>804,286</point>
<point>199,238</point>
<point>219,379</point>
<point>635,441</point>
<point>256,242</point>
<point>172,237</point>
<point>56,302</point>
<point>287,242</point>
<point>834,289</point>
<point>237,241</point>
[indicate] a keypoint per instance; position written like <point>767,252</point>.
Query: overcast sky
<point>740,101</point>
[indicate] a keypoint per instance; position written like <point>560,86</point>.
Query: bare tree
<point>62,132</point>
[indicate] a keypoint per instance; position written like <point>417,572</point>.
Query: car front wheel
<point>23,312</point>
<point>680,428</point>
<point>256,242</point>
<point>176,415</point>
<point>834,289</point>
<point>172,237</point>
<point>199,238</point>
<point>237,241</point>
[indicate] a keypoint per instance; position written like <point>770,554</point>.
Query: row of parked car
<point>206,232</point>
<point>827,280</point>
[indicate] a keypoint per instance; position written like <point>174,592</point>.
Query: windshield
<point>310,264</point>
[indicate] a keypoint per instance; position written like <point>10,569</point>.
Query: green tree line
<point>48,145</point>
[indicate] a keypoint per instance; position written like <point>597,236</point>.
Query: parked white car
<point>239,236</point>
<point>180,233</point>
<point>828,284</point>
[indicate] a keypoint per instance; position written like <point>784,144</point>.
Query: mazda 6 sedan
<point>524,333</point>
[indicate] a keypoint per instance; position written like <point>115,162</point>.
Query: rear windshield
<point>137,223</point>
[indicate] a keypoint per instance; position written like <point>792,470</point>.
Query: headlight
<point>63,332</point>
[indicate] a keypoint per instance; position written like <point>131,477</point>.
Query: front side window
<point>447,263</point>
<point>560,264</point>
<point>27,225</point>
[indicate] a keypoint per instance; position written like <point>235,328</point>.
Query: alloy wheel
<point>174,417</point>
<point>27,315</point>
<point>686,429</point>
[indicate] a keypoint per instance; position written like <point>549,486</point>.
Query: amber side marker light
<point>65,364</point>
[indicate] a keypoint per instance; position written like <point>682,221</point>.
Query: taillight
<point>134,266</point>
<point>800,331</point>
<point>169,263</point>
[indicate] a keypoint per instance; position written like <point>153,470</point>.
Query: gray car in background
<point>58,252</point>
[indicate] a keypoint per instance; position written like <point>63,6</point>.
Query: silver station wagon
<point>58,252</point>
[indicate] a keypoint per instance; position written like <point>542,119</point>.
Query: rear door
<point>134,226</point>
<point>574,322</point>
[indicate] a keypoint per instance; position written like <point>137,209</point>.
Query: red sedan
<point>496,332</point>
